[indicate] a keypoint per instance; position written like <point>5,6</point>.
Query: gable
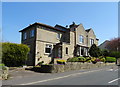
<point>81,30</point>
<point>91,33</point>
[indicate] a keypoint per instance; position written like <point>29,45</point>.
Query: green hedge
<point>14,54</point>
<point>114,54</point>
<point>110,59</point>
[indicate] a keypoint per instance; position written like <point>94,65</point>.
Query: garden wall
<point>4,73</point>
<point>67,67</point>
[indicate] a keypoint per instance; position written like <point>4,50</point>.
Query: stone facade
<point>47,43</point>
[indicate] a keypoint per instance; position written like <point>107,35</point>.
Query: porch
<point>81,51</point>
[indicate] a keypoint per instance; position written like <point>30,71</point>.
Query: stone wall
<point>4,73</point>
<point>69,66</point>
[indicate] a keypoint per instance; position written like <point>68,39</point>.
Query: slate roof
<point>41,24</point>
<point>87,30</point>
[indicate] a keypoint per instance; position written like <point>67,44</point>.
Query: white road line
<point>113,80</point>
<point>110,70</point>
<point>59,77</point>
<point>116,70</point>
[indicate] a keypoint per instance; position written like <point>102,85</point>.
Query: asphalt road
<point>103,76</point>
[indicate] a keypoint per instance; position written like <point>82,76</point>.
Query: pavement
<point>107,75</point>
<point>21,72</point>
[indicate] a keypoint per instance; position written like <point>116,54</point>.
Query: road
<point>103,76</point>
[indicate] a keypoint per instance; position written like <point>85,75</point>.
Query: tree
<point>14,54</point>
<point>94,51</point>
<point>105,52</point>
<point>114,44</point>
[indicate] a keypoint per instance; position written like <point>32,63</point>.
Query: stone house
<point>47,43</point>
<point>104,45</point>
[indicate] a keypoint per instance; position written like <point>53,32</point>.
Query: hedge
<point>110,59</point>
<point>14,54</point>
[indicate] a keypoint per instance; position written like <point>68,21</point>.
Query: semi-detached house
<point>47,43</point>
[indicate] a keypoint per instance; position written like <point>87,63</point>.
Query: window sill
<point>47,53</point>
<point>66,55</point>
<point>57,58</point>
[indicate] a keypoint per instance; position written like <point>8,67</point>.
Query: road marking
<point>116,70</point>
<point>59,77</point>
<point>113,80</point>
<point>110,70</point>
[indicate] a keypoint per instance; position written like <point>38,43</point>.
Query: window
<point>24,36</point>
<point>32,32</point>
<point>48,48</point>
<point>81,39</point>
<point>58,35</point>
<point>66,50</point>
<point>82,51</point>
<point>91,42</point>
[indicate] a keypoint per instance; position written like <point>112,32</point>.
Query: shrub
<point>73,59</point>
<point>97,60</point>
<point>94,51</point>
<point>105,52</point>
<point>114,54</point>
<point>77,59</point>
<point>14,54</point>
<point>88,61</point>
<point>81,59</point>
<point>2,64</point>
<point>103,60</point>
<point>93,60</point>
<point>61,61</point>
<point>110,59</point>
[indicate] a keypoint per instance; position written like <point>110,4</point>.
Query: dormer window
<point>32,32</point>
<point>24,36</point>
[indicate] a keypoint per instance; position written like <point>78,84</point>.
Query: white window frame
<point>48,46</point>
<point>81,39</point>
<point>58,35</point>
<point>91,42</point>
<point>32,33</point>
<point>24,35</point>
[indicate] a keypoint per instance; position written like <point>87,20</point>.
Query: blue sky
<point>102,17</point>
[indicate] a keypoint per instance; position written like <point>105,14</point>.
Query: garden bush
<point>93,60</point>
<point>103,60</point>
<point>81,59</point>
<point>110,59</point>
<point>88,61</point>
<point>73,59</point>
<point>77,59</point>
<point>94,51</point>
<point>14,54</point>
<point>114,54</point>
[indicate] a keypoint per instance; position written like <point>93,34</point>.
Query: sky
<point>102,17</point>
